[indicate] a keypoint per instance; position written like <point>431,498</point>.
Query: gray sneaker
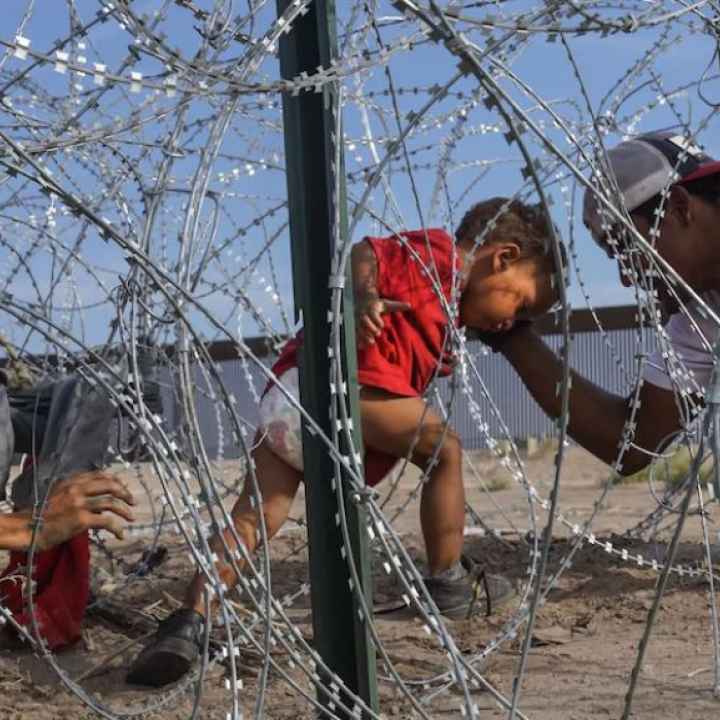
<point>465,588</point>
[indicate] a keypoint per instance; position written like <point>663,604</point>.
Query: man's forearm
<point>596,418</point>
<point>15,531</point>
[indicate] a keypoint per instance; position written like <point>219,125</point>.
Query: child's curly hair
<point>501,220</point>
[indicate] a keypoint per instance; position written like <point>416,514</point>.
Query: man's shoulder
<point>682,326</point>
<point>712,298</point>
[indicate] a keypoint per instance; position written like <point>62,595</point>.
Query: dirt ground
<point>585,645</point>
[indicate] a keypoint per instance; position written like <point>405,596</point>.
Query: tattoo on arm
<point>365,271</point>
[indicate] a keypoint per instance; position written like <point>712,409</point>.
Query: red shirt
<point>410,350</point>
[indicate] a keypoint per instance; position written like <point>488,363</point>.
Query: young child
<point>403,343</point>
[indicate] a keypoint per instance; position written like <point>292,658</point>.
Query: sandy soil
<point>586,639</point>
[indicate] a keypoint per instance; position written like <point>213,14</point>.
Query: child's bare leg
<point>177,642</point>
<point>442,509</point>
<point>390,424</point>
<point>278,483</point>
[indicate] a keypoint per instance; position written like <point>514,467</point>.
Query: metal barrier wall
<point>609,361</point>
<point>590,356</point>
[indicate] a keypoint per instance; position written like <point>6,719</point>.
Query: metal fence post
<point>340,637</point>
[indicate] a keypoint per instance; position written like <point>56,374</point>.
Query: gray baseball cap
<point>643,166</point>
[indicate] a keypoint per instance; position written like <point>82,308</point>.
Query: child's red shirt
<point>412,348</point>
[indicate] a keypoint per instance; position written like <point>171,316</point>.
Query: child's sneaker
<point>172,652</point>
<point>465,588</point>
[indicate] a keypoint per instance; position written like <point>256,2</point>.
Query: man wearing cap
<point>653,172</point>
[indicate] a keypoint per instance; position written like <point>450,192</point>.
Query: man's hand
<point>496,341</point>
<point>94,500</point>
<point>369,322</point>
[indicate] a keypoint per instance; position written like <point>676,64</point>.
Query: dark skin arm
<point>597,417</point>
<point>369,306</point>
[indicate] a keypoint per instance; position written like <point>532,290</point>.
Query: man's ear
<point>678,205</point>
<point>504,256</point>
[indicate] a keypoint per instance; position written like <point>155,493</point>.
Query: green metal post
<point>340,637</point>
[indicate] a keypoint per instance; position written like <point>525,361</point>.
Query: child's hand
<point>369,322</point>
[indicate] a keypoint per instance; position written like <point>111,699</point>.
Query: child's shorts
<point>280,423</point>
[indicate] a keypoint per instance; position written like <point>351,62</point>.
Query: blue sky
<point>248,178</point>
